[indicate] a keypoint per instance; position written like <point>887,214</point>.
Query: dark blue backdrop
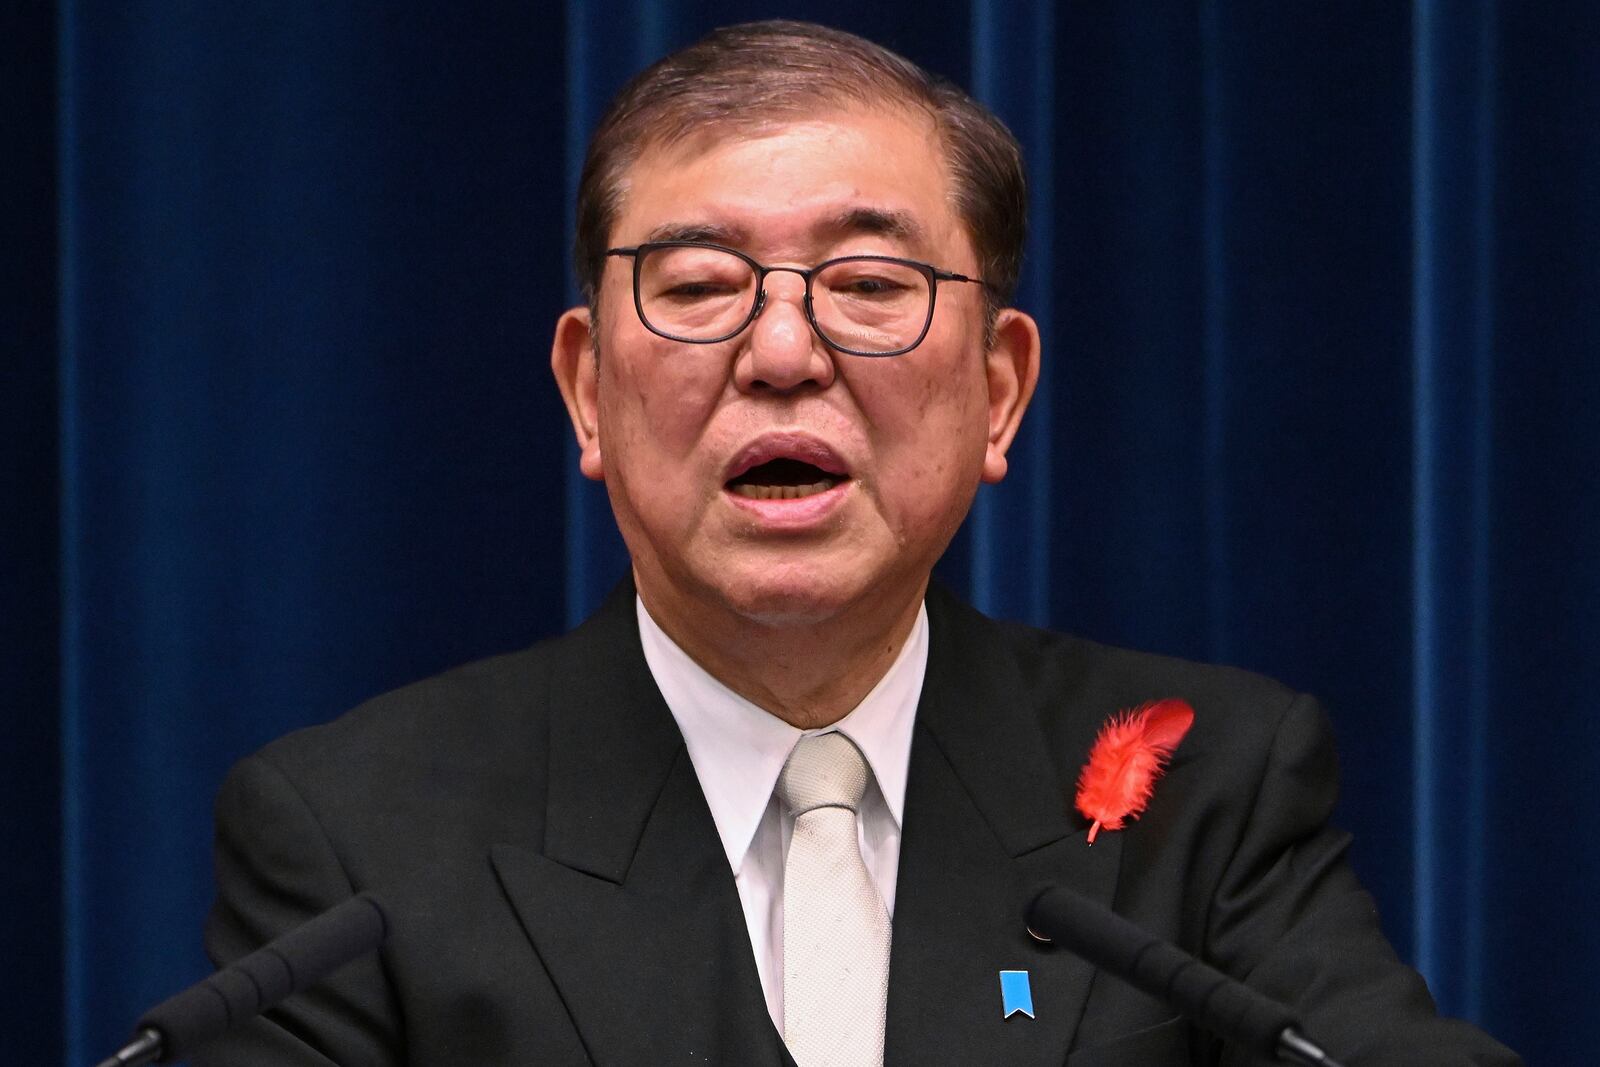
<point>1318,284</point>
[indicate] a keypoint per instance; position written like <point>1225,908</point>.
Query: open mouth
<point>783,479</point>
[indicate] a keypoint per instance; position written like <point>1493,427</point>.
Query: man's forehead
<point>682,209</point>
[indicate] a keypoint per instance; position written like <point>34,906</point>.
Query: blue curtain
<point>1318,284</point>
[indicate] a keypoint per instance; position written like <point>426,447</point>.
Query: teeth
<point>781,492</point>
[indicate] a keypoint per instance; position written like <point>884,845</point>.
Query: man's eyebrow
<point>709,233</point>
<point>880,222</point>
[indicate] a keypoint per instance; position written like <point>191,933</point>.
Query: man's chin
<point>787,590</point>
<point>826,600</point>
<point>787,607</point>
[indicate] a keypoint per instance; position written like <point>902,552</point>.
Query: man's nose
<point>782,352</point>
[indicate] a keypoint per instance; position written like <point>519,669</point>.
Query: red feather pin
<point>1128,756</point>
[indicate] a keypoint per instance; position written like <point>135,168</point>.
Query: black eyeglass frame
<point>934,275</point>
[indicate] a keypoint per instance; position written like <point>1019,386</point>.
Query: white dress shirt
<point>738,749</point>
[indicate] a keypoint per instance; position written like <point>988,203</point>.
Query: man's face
<point>691,438</point>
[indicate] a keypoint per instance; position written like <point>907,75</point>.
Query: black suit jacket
<point>559,894</point>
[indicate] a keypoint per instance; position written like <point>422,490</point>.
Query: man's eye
<point>868,286</point>
<point>699,290</point>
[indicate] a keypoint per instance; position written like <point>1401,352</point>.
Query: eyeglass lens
<point>869,305</point>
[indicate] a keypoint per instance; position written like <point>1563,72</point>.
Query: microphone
<point>1222,1005</point>
<point>300,958</point>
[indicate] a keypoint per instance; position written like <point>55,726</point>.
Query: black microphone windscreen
<point>1119,947</point>
<point>300,958</point>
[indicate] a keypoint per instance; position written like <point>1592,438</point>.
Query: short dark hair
<point>746,74</point>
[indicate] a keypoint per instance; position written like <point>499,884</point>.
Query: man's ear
<point>577,369</point>
<point>1012,366</point>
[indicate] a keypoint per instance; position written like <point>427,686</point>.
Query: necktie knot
<point>823,771</point>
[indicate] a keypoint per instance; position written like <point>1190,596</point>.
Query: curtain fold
<point>1317,286</point>
<point>30,611</point>
<point>1453,303</point>
<point>1009,533</point>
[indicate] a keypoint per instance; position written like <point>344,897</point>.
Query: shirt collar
<point>738,749</point>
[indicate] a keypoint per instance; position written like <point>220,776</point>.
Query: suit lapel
<point>987,817</point>
<point>632,910</point>
<point>631,906</point>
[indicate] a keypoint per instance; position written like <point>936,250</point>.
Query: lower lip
<point>797,514</point>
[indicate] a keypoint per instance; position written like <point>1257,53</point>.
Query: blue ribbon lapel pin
<point>1016,995</point>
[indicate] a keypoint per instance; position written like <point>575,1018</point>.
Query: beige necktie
<point>835,927</point>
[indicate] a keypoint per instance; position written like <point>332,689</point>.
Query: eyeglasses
<point>862,305</point>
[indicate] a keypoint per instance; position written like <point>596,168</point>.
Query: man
<point>779,798</point>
